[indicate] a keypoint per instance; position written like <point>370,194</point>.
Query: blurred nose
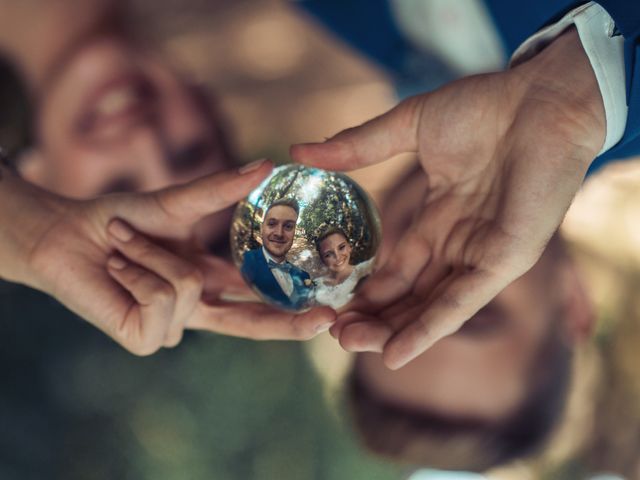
<point>149,160</point>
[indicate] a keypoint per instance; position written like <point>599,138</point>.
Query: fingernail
<point>334,332</point>
<point>324,327</point>
<point>251,167</point>
<point>121,231</point>
<point>117,263</point>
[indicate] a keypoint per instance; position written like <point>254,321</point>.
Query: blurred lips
<point>115,106</point>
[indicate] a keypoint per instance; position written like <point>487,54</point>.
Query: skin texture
<point>465,375</point>
<point>113,118</point>
<point>278,231</point>
<point>505,154</point>
<point>335,252</point>
<point>140,294</point>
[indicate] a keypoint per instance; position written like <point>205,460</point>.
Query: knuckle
<point>302,332</point>
<point>164,293</point>
<point>191,279</point>
<point>142,349</point>
<point>353,338</point>
<point>173,339</point>
<point>142,247</point>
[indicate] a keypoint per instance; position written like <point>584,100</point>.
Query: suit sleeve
<point>245,268</point>
<point>369,26</point>
<point>517,21</point>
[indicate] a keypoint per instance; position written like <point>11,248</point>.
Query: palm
<point>494,199</point>
<point>502,166</point>
<point>73,253</point>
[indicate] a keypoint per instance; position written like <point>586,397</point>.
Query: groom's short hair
<point>285,202</point>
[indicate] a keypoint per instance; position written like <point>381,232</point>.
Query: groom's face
<point>278,230</point>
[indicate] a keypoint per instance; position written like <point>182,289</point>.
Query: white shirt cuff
<point>606,55</point>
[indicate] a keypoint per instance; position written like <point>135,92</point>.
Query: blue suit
<point>368,25</point>
<point>256,271</point>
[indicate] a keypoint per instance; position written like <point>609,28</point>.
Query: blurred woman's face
<point>115,119</point>
<point>335,252</point>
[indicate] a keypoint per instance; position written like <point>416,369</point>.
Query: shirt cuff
<point>606,54</point>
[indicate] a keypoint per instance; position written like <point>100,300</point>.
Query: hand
<point>504,154</point>
<point>169,293</point>
<point>61,246</point>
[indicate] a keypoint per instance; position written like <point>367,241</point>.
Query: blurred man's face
<point>113,119</point>
<point>481,372</point>
<point>278,230</point>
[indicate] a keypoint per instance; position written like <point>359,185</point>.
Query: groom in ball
<point>267,267</point>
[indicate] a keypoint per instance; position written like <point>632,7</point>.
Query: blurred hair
<point>430,439</point>
<point>285,202</point>
<point>15,127</point>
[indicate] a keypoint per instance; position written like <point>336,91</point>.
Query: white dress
<point>336,296</point>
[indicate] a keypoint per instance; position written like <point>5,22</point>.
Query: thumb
<point>377,140</point>
<point>212,193</point>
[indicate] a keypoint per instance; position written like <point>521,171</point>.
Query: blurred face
<point>481,371</point>
<point>278,230</point>
<point>113,119</point>
<point>335,252</point>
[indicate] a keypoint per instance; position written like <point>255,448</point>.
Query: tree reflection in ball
<point>306,237</point>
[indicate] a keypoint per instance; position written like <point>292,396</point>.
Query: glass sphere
<point>305,237</point>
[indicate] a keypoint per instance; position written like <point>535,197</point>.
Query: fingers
<point>213,193</point>
<point>223,281</point>
<point>261,322</point>
<point>378,139</point>
<point>184,279</point>
<point>153,298</point>
<point>428,323</point>
<point>365,336</point>
<point>398,275</point>
<point>369,332</point>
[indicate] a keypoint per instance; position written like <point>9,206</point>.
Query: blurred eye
<point>190,156</point>
<point>120,185</point>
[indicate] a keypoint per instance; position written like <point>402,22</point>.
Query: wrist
<point>26,213</point>
<point>562,75</point>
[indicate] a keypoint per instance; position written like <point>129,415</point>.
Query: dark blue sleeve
<point>246,269</point>
<point>516,21</point>
<point>368,26</point>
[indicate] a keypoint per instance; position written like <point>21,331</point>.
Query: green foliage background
<point>74,405</point>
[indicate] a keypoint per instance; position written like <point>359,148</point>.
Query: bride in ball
<point>336,288</point>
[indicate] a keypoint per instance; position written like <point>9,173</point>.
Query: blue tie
<point>284,266</point>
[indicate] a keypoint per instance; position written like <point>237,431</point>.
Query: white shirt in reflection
<point>283,278</point>
<point>336,296</point>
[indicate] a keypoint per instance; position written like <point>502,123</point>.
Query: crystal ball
<point>305,237</point>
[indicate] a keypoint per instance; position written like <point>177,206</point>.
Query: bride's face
<point>115,118</point>
<point>335,252</point>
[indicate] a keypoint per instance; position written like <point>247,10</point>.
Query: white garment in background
<point>336,296</point>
